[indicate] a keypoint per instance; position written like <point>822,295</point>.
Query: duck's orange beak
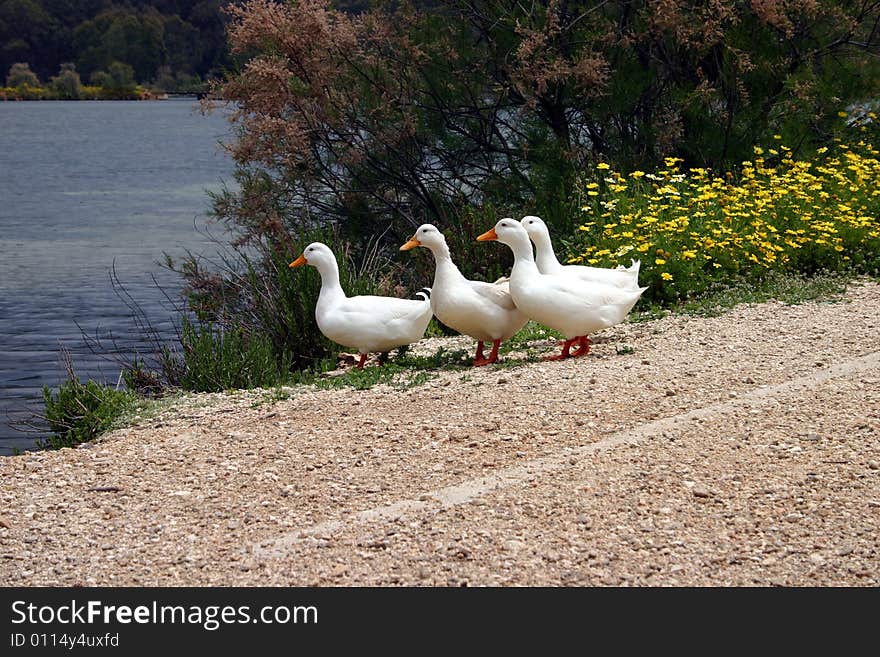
<point>488,236</point>
<point>299,262</point>
<point>413,243</point>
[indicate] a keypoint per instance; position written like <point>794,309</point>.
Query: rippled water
<point>84,184</point>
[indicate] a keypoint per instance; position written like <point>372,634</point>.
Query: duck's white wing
<point>575,293</point>
<point>371,323</point>
<point>497,293</point>
<point>621,278</point>
<point>386,307</point>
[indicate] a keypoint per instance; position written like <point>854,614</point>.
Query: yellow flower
<point>637,174</point>
<point>777,137</point>
<point>842,115</point>
<point>688,255</point>
<point>659,261</point>
<point>666,276</point>
<point>603,165</point>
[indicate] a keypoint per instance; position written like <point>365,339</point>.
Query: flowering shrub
<point>692,228</point>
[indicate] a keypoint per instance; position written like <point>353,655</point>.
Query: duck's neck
<point>544,255</point>
<point>331,290</point>
<point>523,259</point>
<point>445,271</point>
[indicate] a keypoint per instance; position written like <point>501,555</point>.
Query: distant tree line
<point>170,44</point>
<point>116,83</point>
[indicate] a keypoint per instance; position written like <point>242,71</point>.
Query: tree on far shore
<point>66,85</point>
<point>20,75</point>
<point>118,80</point>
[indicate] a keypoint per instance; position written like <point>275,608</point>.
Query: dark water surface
<point>83,184</point>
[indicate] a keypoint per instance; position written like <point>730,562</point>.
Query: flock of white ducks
<point>576,301</point>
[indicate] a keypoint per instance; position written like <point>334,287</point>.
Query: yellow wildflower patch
<point>785,213</point>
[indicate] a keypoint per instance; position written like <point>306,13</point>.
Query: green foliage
<point>216,359</point>
<point>180,82</point>
<point>66,85</point>
<point>21,75</point>
<point>80,412</point>
<point>186,37</point>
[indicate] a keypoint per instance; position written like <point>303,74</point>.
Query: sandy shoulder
<point>228,489</point>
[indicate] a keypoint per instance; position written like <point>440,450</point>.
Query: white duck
<point>366,323</point>
<point>547,262</point>
<point>484,311</point>
<point>572,306</point>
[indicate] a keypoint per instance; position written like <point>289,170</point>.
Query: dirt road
<point>734,450</point>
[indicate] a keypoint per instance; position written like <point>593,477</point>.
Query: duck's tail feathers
<point>635,266</point>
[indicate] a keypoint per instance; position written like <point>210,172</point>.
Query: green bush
<point>21,75</point>
<point>214,359</point>
<point>66,85</point>
<point>80,412</point>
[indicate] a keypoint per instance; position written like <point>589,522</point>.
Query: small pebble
<point>700,491</point>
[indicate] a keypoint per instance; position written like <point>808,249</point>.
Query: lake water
<point>84,184</point>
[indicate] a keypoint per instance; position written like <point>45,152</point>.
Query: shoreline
<point>8,95</point>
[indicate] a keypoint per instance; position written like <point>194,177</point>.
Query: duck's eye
<point>311,248</point>
<point>424,230</point>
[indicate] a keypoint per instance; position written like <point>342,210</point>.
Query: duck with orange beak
<point>547,262</point>
<point>369,324</point>
<point>484,311</point>
<point>574,307</point>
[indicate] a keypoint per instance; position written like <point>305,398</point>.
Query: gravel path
<point>734,450</point>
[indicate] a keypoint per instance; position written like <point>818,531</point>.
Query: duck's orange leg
<point>361,362</point>
<point>479,357</point>
<point>583,346</point>
<point>566,349</point>
<point>493,355</point>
